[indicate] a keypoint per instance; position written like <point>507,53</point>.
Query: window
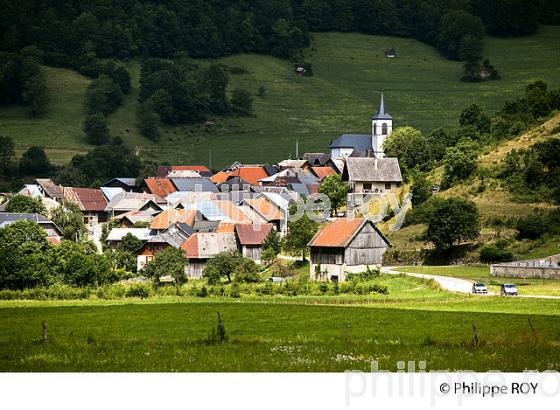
<point>374,129</point>
<point>366,187</point>
<point>387,185</point>
<point>384,129</point>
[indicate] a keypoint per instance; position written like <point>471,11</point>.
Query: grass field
<point>416,321</point>
<point>422,89</point>
<point>268,337</point>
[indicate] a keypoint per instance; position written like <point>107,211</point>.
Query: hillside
<point>494,200</point>
<point>422,89</point>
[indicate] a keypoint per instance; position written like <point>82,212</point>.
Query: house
<point>50,189</point>
<point>127,184</point>
<point>164,170</point>
<point>294,163</point>
<point>346,245</point>
<point>381,128</point>
<point>372,175</point>
<point>250,239</point>
<point>161,187</point>
<point>110,192</point>
<point>201,247</point>
<point>132,201</point>
<point>270,211</point>
<point>54,234</point>
<point>134,218</point>
<point>91,202</point>
<point>194,185</point>
<point>323,172</point>
<point>250,173</point>
<point>173,237</point>
<point>117,234</point>
<point>171,216</point>
<point>319,159</point>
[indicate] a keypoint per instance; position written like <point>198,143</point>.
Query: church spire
<point>381,114</point>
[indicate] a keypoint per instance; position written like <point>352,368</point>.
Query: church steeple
<point>381,127</point>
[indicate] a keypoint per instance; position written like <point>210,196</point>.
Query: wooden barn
<point>250,238</point>
<point>201,247</point>
<point>346,245</point>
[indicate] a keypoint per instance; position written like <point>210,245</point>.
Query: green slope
<point>422,89</point>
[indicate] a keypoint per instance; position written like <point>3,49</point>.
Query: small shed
<point>346,245</point>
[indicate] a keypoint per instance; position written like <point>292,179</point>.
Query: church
<point>366,169</point>
<point>359,145</point>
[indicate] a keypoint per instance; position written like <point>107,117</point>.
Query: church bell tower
<point>381,127</point>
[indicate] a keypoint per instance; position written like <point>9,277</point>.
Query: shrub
<point>139,290</point>
<point>531,226</point>
<point>490,253</point>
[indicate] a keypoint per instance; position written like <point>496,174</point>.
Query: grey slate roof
<point>372,170</point>
<point>316,158</point>
<point>174,239</point>
<point>194,185</point>
<point>6,218</point>
<point>206,226</point>
<point>357,141</point>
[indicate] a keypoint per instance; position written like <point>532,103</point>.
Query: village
<point>205,213</point>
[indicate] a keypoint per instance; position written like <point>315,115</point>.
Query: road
<point>454,284</point>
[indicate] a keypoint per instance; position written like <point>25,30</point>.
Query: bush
<point>139,290</point>
<point>531,227</point>
<point>491,253</point>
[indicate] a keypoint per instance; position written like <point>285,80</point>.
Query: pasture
<point>422,89</point>
<point>168,333</point>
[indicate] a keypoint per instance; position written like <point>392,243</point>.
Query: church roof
<point>381,114</point>
<point>356,141</point>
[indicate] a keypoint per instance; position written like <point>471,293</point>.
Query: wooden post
<point>44,332</point>
<point>475,335</point>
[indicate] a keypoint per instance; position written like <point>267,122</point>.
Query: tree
<point>7,154</point>
<point>450,221</point>
<point>20,245</point>
<point>438,141</point>
<point>410,147</point>
<point>148,120</point>
<point>215,83</point>
<point>459,162</point>
<point>223,265</point>
<point>68,217</point>
<point>34,161</point>
<point>272,242</point>
<point>169,261</point>
<point>336,190</point>
<point>475,117</point>
<point>247,271</point>
<point>460,36</point>
<point>103,95</point>
<point>96,129</point>
<point>300,232</point>
<point>421,189</point>
<point>26,205</point>
<point>129,243</point>
<point>242,102</point>
<point>35,94</point>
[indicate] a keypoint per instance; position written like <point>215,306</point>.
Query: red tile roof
<point>170,216</point>
<point>249,174</point>
<point>197,168</point>
<point>337,233</point>
<point>89,200</point>
<point>253,234</point>
<point>265,208</point>
<point>160,186</point>
<point>323,172</point>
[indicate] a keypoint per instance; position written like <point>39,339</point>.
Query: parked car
<point>508,289</point>
<point>479,287</point>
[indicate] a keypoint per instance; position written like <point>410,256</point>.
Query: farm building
<point>53,232</point>
<point>92,203</point>
<point>173,237</point>
<point>201,247</point>
<point>346,245</point>
<point>251,238</point>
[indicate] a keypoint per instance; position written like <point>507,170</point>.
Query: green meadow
<point>422,89</point>
<point>416,321</point>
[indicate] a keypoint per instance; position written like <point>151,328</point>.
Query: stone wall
<point>547,268</point>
